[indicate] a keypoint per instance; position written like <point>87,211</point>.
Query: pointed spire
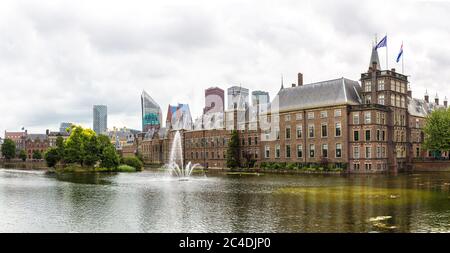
<point>374,59</point>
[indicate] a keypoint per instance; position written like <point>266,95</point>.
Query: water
<point>151,201</point>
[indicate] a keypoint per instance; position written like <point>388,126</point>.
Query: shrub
<point>291,166</point>
<point>125,168</point>
<point>51,157</point>
<point>23,155</point>
<point>133,162</point>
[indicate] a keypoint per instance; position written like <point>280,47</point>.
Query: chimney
<point>426,97</point>
<point>300,79</point>
<point>392,69</point>
<point>293,85</point>
<point>47,132</point>
<point>445,102</point>
<point>436,99</point>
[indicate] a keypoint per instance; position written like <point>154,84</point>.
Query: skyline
<point>59,59</point>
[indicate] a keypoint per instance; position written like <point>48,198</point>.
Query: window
<point>299,151</point>
<point>367,135</point>
<point>368,86</point>
<point>356,135</point>
<point>417,152</point>
<point>323,114</point>
<point>298,116</point>
<point>381,84</point>
<point>311,150</point>
<point>368,152</point>
<point>243,141</point>
<point>338,129</point>
<point>356,166</point>
<point>356,118</point>
<point>417,123</point>
<point>381,99</point>
<point>368,99</point>
<point>392,100</point>
<point>267,152</point>
<point>356,152</point>
<point>277,133</point>
<point>402,102</point>
<point>338,150</point>
<point>383,119</point>
<point>378,152</point>
<point>367,118</point>
<point>337,113</point>
<point>402,87</point>
<point>299,132</point>
<point>378,135</point>
<point>288,151</point>
<point>277,151</point>
<point>288,132</point>
<point>256,140</point>
<point>325,150</point>
<point>397,101</point>
<point>287,118</point>
<point>266,133</point>
<point>310,115</point>
<point>368,166</point>
<point>311,131</point>
<point>324,130</point>
<point>249,140</point>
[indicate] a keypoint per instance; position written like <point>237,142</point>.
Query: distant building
<point>214,100</point>
<point>100,116</point>
<point>151,113</point>
<point>18,138</point>
<point>36,142</point>
<point>179,117</point>
<point>237,98</point>
<point>64,126</point>
<point>121,137</point>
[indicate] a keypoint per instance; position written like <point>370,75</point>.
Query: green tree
<point>91,151</point>
<point>37,155</point>
<point>437,131</point>
<point>60,147</point>
<point>23,155</point>
<point>52,157</point>
<point>9,149</point>
<point>73,146</point>
<point>233,150</point>
<point>109,158</point>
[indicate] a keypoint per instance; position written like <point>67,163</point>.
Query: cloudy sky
<point>58,58</point>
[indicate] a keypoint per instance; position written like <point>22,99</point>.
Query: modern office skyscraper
<point>100,114</point>
<point>237,98</point>
<point>151,113</point>
<point>260,98</point>
<point>179,117</point>
<point>214,100</point>
<point>63,127</point>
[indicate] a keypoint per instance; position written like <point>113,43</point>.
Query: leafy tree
<point>60,147</point>
<point>52,157</point>
<point>134,162</point>
<point>37,155</point>
<point>9,149</point>
<point>73,146</point>
<point>437,131</point>
<point>23,155</point>
<point>233,150</point>
<point>109,158</point>
<point>91,151</point>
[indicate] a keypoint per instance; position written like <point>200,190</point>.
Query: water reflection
<point>152,202</point>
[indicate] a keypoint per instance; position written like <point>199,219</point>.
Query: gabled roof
<point>327,93</point>
<point>420,108</point>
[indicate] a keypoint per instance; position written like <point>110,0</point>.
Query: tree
<point>437,131</point>
<point>9,149</point>
<point>60,147</point>
<point>109,158</point>
<point>52,157</point>
<point>233,150</point>
<point>23,155</point>
<point>91,152</point>
<point>37,155</point>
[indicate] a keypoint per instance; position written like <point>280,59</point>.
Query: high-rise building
<point>151,113</point>
<point>237,98</point>
<point>63,127</point>
<point>214,100</point>
<point>100,115</point>
<point>179,117</point>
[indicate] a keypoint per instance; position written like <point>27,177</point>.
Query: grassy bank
<point>81,169</point>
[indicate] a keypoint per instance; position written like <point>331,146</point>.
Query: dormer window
<point>368,86</point>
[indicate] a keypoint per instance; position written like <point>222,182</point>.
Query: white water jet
<point>176,166</point>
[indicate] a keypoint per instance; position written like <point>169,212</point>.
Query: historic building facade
<point>370,126</point>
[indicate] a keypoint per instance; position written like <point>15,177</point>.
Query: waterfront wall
<point>431,166</point>
<point>19,164</point>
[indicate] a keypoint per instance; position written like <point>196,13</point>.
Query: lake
<point>152,201</point>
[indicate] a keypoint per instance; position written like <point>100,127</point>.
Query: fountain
<point>176,166</point>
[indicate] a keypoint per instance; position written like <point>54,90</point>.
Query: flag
<point>400,53</point>
<point>382,43</point>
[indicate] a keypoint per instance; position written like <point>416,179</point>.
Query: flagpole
<point>387,66</point>
<point>403,57</point>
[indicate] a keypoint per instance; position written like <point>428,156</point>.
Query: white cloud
<point>58,58</point>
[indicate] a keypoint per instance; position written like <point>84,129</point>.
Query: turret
<point>436,99</point>
<point>427,99</point>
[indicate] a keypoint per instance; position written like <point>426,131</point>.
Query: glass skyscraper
<point>151,113</point>
<point>100,119</point>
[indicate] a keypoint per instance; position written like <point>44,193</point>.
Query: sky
<point>59,58</point>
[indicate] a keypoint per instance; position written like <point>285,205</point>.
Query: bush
<point>37,155</point>
<point>125,168</point>
<point>51,157</point>
<point>133,162</point>
<point>23,155</point>
<point>291,166</point>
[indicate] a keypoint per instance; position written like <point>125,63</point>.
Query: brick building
<point>369,126</point>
